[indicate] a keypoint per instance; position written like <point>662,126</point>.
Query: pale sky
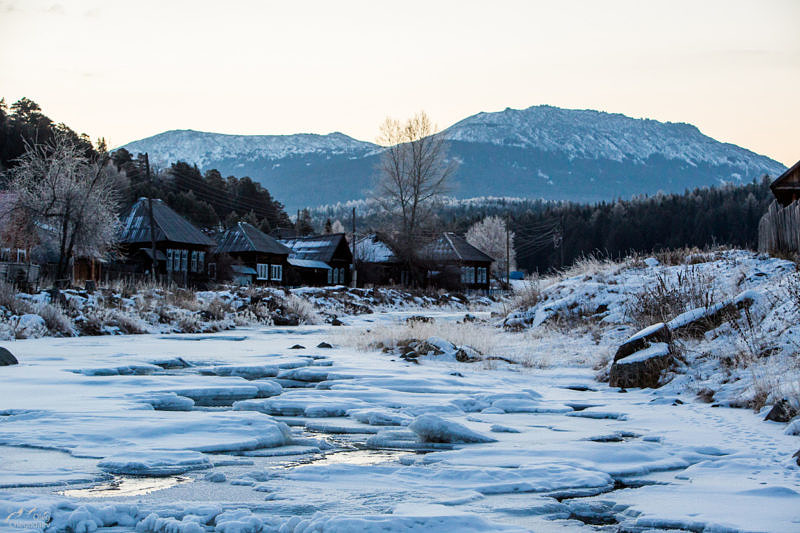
<point>129,69</point>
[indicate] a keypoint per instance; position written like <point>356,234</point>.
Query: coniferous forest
<point>207,199</point>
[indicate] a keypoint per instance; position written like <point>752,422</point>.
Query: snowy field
<point>238,432</point>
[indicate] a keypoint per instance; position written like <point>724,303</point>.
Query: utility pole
<point>154,267</point>
<point>508,253</point>
<point>354,275</point>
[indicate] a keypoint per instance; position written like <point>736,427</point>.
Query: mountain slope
<point>542,151</point>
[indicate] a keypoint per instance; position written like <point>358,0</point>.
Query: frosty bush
<point>303,309</point>
<point>57,322</point>
<point>10,300</point>
<point>528,294</point>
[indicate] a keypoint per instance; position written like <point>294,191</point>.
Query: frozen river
<point>239,431</point>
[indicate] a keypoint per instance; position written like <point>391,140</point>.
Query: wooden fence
<point>779,229</point>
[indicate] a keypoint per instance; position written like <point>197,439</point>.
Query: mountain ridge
<point>536,152</point>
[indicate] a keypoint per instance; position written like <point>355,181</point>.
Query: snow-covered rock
<point>432,428</point>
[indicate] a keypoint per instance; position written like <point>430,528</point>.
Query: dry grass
<point>58,323</point>
<point>668,297</point>
<point>528,294</point>
<point>303,309</point>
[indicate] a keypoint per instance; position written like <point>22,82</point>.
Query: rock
<point>644,338</point>
<point>336,322</point>
<point>419,319</point>
<point>797,455</point>
<point>426,348</point>
<point>7,358</point>
<point>469,318</point>
<point>782,411</point>
<point>297,347</point>
<point>324,345</point>
<point>467,354</point>
<point>288,320</point>
<point>30,326</point>
<point>642,369</point>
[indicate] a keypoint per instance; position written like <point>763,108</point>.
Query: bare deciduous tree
<point>489,236</point>
<point>414,170</point>
<point>72,196</point>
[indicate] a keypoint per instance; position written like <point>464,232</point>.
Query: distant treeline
<point>207,199</point>
<point>549,235</point>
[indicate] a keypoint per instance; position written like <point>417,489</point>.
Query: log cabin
<point>319,260</point>
<point>181,249</point>
<point>258,258</point>
<point>452,262</point>
<point>779,228</point>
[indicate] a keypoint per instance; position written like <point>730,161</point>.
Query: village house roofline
<point>169,226</point>
<point>245,237</point>
<point>783,177</point>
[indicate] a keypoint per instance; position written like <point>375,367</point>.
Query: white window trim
<point>262,270</point>
<point>276,272</point>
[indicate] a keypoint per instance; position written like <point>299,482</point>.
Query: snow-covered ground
<point>268,429</point>
<point>255,436</point>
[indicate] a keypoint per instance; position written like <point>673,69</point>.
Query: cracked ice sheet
<point>691,432</point>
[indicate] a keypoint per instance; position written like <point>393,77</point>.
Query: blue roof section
<point>317,247</point>
<point>307,263</point>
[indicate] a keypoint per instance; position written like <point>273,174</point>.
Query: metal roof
<point>317,247</point>
<point>307,263</point>
<point>169,226</point>
<point>245,237</point>
<point>451,247</point>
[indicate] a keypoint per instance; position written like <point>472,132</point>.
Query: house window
<point>482,275</point>
<point>201,260</point>
<point>194,261</point>
<point>276,272</point>
<point>467,275</point>
<point>263,271</point>
<point>212,270</point>
<point>184,260</point>
<point>170,260</point>
<point>330,276</point>
<point>341,275</point>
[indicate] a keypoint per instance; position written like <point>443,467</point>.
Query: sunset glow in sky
<point>129,69</point>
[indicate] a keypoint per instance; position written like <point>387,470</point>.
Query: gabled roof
<point>785,176</point>
<point>169,226</point>
<point>372,249</point>
<point>317,247</point>
<point>245,237</point>
<point>787,185</point>
<point>451,247</point>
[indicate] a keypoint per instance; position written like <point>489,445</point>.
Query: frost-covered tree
<point>337,227</point>
<point>71,195</point>
<point>413,172</point>
<point>489,236</point>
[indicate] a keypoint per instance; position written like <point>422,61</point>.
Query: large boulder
<point>7,358</point>
<point>782,411</point>
<point>642,369</point>
<point>643,339</point>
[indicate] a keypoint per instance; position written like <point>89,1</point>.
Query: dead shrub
<point>669,297</point>
<point>528,294</point>
<point>58,323</point>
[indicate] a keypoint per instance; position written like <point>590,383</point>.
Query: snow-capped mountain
<point>541,151</point>
<point>205,149</point>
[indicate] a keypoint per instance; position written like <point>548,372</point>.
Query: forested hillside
<point>207,199</point>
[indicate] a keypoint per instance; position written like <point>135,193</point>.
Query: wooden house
<point>452,262</point>
<point>779,228</point>
<point>376,262</point>
<point>181,249</point>
<point>258,258</point>
<point>18,237</point>
<point>787,187</point>
<point>319,260</point>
